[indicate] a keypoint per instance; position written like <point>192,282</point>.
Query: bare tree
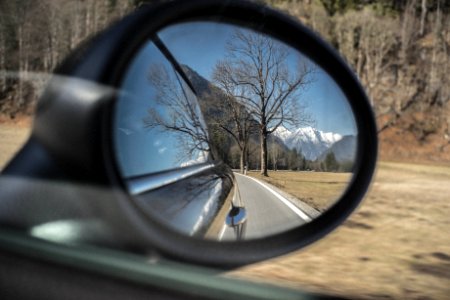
<point>437,83</point>
<point>2,58</point>
<point>423,17</point>
<point>36,35</point>
<point>179,114</point>
<point>235,119</point>
<point>408,30</point>
<point>275,152</point>
<point>19,19</point>
<point>377,41</point>
<point>367,42</point>
<point>257,68</point>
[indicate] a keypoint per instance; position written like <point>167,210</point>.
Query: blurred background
<point>396,245</point>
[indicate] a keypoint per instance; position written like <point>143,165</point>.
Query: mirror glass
<point>224,133</point>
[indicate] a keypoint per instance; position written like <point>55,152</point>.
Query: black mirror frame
<point>109,56</point>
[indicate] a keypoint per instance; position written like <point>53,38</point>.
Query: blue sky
<point>201,44</point>
<point>141,150</point>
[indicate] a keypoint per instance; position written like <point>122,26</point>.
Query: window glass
<point>158,122</point>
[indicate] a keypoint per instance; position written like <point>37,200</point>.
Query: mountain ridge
<point>310,141</point>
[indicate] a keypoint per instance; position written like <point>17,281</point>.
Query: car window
<point>155,99</point>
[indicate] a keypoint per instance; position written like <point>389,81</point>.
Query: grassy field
<point>396,246</point>
<point>318,189</point>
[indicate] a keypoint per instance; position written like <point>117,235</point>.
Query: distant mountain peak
<point>309,140</point>
<point>344,149</point>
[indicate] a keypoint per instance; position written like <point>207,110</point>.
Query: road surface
<point>268,212</point>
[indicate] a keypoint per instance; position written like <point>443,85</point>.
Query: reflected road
<point>268,212</point>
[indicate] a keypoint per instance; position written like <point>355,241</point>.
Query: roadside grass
<point>317,189</point>
<point>395,246</point>
<point>12,137</point>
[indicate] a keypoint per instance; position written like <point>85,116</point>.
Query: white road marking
<point>288,203</point>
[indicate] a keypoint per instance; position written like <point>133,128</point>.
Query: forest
<point>400,50</point>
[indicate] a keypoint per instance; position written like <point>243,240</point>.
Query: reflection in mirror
<point>225,133</point>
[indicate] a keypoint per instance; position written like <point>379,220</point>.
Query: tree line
<point>283,158</point>
<point>400,49</point>
<point>35,36</point>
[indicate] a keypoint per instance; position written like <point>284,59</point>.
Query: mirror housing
<point>78,105</point>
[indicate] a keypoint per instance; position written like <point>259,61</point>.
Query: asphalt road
<point>268,212</point>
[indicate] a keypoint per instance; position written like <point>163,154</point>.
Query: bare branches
<point>235,119</point>
<point>177,113</point>
<point>36,35</point>
<point>258,73</point>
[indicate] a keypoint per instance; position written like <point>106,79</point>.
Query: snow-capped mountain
<point>310,141</point>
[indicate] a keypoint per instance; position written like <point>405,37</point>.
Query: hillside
<point>400,51</point>
<point>344,149</point>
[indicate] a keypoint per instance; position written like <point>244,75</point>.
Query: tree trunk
<point>21,69</point>
<point>243,161</point>
<point>360,63</point>
<point>2,61</point>
<point>423,17</point>
<point>263,138</point>
<point>433,82</point>
<point>77,35</point>
<point>407,30</point>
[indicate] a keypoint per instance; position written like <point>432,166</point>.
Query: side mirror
<point>223,132</point>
